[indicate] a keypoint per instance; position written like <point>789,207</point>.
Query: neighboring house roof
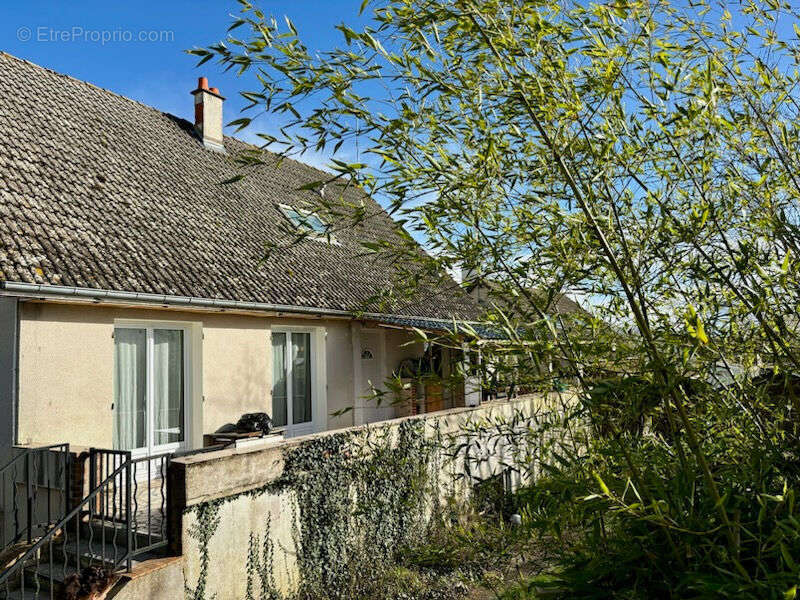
<point>484,331</point>
<point>564,305</point>
<point>99,191</point>
<point>487,292</point>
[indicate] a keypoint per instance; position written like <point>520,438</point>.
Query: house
<point>487,293</point>
<point>136,311</point>
<point>523,309</point>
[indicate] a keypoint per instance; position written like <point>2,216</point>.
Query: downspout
<point>15,398</point>
<point>9,370</point>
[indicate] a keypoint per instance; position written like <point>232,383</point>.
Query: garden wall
<point>312,510</point>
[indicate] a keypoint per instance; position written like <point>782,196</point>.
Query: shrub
<point>468,548</point>
<point>642,154</point>
<point>405,584</point>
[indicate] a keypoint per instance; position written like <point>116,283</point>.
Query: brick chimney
<point>208,115</point>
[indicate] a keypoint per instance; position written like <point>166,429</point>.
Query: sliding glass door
<point>292,361</point>
<point>149,389</point>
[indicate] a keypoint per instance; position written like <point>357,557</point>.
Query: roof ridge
<point>153,108</point>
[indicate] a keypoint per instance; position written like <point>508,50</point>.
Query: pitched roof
<point>485,331</point>
<point>487,291</point>
<point>564,305</point>
<point>99,191</point>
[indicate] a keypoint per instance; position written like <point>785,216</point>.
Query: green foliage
<point>480,545</point>
<point>360,497</point>
<point>404,584</point>
<point>641,154</point>
<point>539,586</point>
<point>630,405</point>
<point>260,567</point>
<point>659,535</point>
<point>469,549</point>
<point>207,522</point>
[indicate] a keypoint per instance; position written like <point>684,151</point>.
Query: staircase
<point>120,523</point>
<point>47,571</point>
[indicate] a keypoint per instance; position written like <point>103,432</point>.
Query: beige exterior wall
<point>398,349</point>
<point>67,369</point>
<point>392,345</point>
<point>340,373</point>
<point>236,369</point>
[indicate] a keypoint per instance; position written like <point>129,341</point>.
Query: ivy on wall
<point>260,567</point>
<point>360,496</point>
<point>359,500</point>
<point>203,529</point>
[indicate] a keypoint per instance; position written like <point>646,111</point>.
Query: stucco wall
<point>393,346</point>
<point>67,366</point>
<point>397,349</point>
<point>225,496</point>
<point>340,373</point>
<point>237,370</point>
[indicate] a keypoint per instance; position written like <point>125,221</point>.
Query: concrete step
<point>49,577</point>
<point>140,536</point>
<point>89,553</point>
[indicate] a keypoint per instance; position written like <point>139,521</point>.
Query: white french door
<point>293,373</point>
<point>150,377</point>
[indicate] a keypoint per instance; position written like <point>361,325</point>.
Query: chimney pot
<point>215,91</point>
<point>202,83</point>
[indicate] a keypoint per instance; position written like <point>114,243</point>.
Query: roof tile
<point>101,191</point>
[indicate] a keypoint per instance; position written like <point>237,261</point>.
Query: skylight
<point>305,220</point>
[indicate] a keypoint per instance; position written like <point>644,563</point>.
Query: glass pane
<point>130,393</point>
<point>167,386</point>
<point>301,377</point>
<point>315,224</point>
<point>305,220</point>
<point>293,216</point>
<point>279,379</point>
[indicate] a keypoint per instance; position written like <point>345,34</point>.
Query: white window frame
<point>149,326</point>
<point>318,380</point>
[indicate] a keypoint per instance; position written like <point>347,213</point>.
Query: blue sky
<point>68,37</point>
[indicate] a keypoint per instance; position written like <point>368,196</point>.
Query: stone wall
<point>247,522</point>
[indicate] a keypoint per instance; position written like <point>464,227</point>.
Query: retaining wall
<point>239,522</point>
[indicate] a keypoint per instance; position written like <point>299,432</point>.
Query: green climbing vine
<point>203,530</point>
<point>260,564</point>
<point>360,496</point>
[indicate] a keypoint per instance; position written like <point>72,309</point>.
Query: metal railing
<point>65,549</point>
<point>34,492</point>
<point>136,498</point>
<point>122,517</point>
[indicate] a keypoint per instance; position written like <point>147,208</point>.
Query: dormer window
<point>305,220</point>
